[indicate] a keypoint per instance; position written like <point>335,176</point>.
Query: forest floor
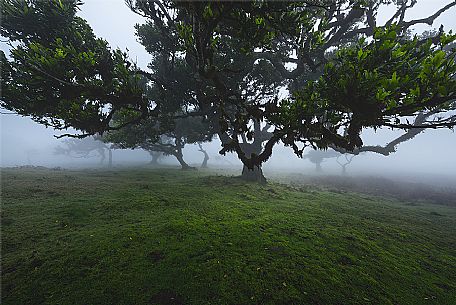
<point>151,236</point>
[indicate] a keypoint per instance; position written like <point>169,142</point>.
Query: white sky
<point>114,21</point>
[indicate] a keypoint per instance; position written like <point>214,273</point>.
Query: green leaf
<point>208,11</point>
<point>438,58</point>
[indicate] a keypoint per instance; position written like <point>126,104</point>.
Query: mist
<point>429,157</point>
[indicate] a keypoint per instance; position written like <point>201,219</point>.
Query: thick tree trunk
<point>255,175</point>
<point>184,165</point>
<point>110,157</point>
<point>179,155</point>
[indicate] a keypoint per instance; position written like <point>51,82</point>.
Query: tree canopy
<point>59,73</point>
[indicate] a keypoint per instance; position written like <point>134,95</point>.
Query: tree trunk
<point>318,168</point>
<point>206,158</point>
<point>180,158</point>
<point>110,157</point>
<point>344,169</point>
<point>101,151</point>
<point>255,175</point>
<point>155,156</point>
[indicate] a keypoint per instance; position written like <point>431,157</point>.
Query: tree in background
<point>152,137</point>
<point>82,148</point>
<point>155,156</point>
<point>344,164</point>
<point>206,155</point>
<point>318,156</point>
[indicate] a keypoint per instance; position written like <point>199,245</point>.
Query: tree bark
<point>179,155</point>
<point>184,165</point>
<point>206,156</point>
<point>255,175</point>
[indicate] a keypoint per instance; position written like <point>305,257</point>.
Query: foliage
<point>60,74</point>
<point>145,135</point>
<point>321,113</point>
<point>371,85</point>
<point>225,63</point>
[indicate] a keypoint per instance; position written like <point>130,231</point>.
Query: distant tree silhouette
<point>82,148</point>
<point>169,139</point>
<point>155,156</point>
<point>348,160</point>
<point>318,156</point>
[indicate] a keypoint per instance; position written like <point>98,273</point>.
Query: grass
<point>143,236</point>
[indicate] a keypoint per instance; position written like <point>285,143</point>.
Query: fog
<point>429,157</point>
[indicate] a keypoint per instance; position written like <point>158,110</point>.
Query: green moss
<point>170,237</point>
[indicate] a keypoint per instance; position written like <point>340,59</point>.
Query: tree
<point>318,156</point>
<point>206,156</point>
<point>343,165</point>
<point>276,34</point>
<point>234,58</point>
<point>171,140</point>
<point>82,148</point>
<point>155,155</point>
<point>59,73</point>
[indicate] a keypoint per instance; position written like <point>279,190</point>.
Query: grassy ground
<point>173,237</point>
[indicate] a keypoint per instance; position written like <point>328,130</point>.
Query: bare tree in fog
<point>318,156</point>
<point>344,164</point>
<point>83,148</point>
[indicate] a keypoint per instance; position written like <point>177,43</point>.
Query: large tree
<point>366,83</point>
<point>236,57</point>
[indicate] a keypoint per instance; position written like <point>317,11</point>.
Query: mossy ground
<point>139,236</point>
